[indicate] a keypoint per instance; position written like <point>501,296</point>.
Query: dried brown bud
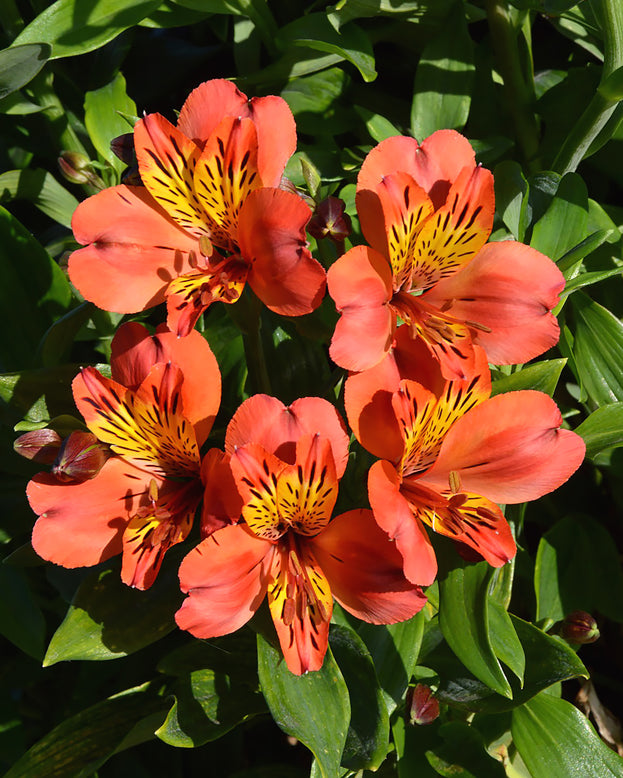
<point>579,627</point>
<point>39,445</point>
<point>330,220</point>
<point>423,706</point>
<point>80,458</point>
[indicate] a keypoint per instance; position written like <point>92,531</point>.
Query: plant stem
<point>520,94</point>
<point>601,107</point>
<point>246,314</point>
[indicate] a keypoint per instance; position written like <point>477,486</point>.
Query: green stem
<point>246,313</point>
<point>519,93</point>
<point>601,107</point>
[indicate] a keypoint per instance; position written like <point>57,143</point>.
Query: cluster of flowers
<point>425,306</point>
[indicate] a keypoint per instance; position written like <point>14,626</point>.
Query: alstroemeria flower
<point>449,453</point>
<point>154,414</point>
<point>427,212</point>
<point>286,463</point>
<point>209,218</point>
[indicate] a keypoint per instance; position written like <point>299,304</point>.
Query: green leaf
<point>20,64</point>
<point>444,79</point>
<point>33,292</point>
<point>378,126</point>
<point>108,619</point>
<point>464,747</point>
<point>73,27</point>
<point>578,568</point>
<point>421,10</point>
<point>41,189</point>
<point>598,350</point>
<point>588,279</point>
<point>512,197</point>
<point>464,621</point>
<point>541,376</point>
<point>603,429</point>
<point>315,31</point>
<point>555,739</point>
<point>367,741</point>
<point>314,708</point>
<point>583,249</point>
<point>506,644</point>
<point>21,619</point>
<point>39,395</point>
<point>564,223</point>
<point>102,119</point>
<point>82,743</point>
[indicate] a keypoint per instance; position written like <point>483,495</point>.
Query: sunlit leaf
<point>41,189</point>
<point>564,223</point>
<point>541,376</point>
<point>102,119</point>
<point>511,197</point>
<point>603,429</point>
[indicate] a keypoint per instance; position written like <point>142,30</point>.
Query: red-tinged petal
<point>256,473</point>
<point>222,503</point>
<point>167,161</point>
<point>434,165</point>
<point>301,605</point>
<point>393,514</point>
<point>146,426</point>
<point>364,569</point>
<point>456,231</point>
<point>135,351</point>
<point>509,289</point>
<point>207,105</point>
<point>82,524</point>
<point>271,236</point>
<point>391,217</point>
<point>509,449</point>
<point>307,490</point>
<point>225,578</point>
<point>360,283</point>
<point>276,136</point>
<point>267,421</point>
<point>135,250</point>
<point>225,175</point>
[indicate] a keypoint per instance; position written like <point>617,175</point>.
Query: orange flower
<point>154,414</point>
<point>211,185</point>
<point>288,547</point>
<point>427,212</point>
<point>449,453</point>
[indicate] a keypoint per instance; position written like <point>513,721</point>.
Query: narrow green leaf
<point>504,639</point>
<point>82,743</point>
<point>603,429</point>
<point>578,543</point>
<point>73,27</point>
<point>541,376</point>
<point>314,708</point>
<point>21,619</point>
<point>512,197</point>
<point>367,741</point>
<point>102,119</point>
<point>583,249</point>
<point>108,619</point>
<point>555,739</point>
<point>444,78</point>
<point>41,189</point>
<point>315,31</point>
<point>378,126</point>
<point>588,279</point>
<point>20,64</point>
<point>464,621</point>
<point>33,292</point>
<point>598,350</point>
<point>431,11</point>
<point>564,223</point>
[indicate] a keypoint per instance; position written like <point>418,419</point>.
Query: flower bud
<point>423,706</point>
<point>80,458</point>
<point>579,627</point>
<point>39,445</point>
<point>123,147</point>
<point>330,221</point>
<point>77,169</point>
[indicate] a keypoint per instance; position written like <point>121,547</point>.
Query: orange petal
<point>82,524</point>
<point>360,284</point>
<point>222,503</point>
<point>393,514</point>
<point>135,351</point>
<point>509,449</point>
<point>271,235</point>
<point>135,250</point>
<point>455,232</point>
<point>301,605</point>
<point>167,161</point>
<point>364,569</point>
<point>207,105</point>
<point>225,577</point>
<point>267,421</point>
<point>510,289</point>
